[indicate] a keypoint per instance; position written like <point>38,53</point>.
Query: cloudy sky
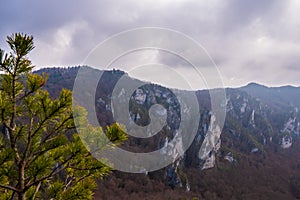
<point>250,41</point>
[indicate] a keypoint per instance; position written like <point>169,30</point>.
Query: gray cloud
<point>248,40</point>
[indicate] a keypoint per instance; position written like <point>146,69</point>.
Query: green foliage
<point>41,154</point>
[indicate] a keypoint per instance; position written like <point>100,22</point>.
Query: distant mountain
<point>275,96</point>
<point>256,157</point>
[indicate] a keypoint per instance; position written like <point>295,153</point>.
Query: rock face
<point>250,122</point>
<point>258,118</point>
<point>211,144</point>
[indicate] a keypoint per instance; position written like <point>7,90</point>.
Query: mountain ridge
<point>260,133</point>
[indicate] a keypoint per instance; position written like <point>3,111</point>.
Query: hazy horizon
<point>154,82</point>
<point>248,41</point>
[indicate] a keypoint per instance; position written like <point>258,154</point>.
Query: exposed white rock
<point>289,126</point>
<point>188,187</point>
<point>218,146</point>
<point>297,132</point>
<point>169,100</point>
<point>254,150</point>
<point>211,144</point>
<point>174,148</point>
<point>286,142</point>
<point>140,96</point>
<point>229,157</point>
<point>178,145</point>
<point>264,141</point>
<point>163,149</point>
<point>138,116</point>
<point>209,162</point>
<point>252,119</point>
<point>122,92</point>
<point>252,115</point>
<point>243,108</point>
<point>100,101</point>
<point>108,107</point>
<point>144,171</point>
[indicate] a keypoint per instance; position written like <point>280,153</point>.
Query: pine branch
<point>36,190</point>
<point>55,171</point>
<point>8,187</point>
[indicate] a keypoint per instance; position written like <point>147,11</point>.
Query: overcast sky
<point>250,41</point>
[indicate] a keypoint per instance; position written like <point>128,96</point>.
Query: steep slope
<point>256,156</point>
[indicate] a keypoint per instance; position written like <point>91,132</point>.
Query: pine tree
<point>41,153</point>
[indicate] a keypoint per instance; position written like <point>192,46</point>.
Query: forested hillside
<point>257,157</point>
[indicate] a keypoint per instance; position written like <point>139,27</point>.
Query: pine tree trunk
<point>22,196</point>
<point>22,182</point>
